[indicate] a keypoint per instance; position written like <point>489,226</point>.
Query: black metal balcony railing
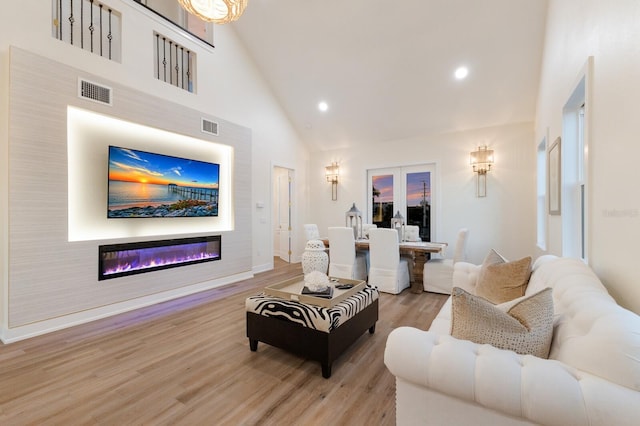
<point>96,27</point>
<point>89,25</point>
<point>174,64</point>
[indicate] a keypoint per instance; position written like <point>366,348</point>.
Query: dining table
<point>416,252</point>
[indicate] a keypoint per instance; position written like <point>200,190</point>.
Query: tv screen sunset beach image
<point>144,184</point>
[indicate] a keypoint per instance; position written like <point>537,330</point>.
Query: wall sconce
<point>332,173</point>
<point>481,160</point>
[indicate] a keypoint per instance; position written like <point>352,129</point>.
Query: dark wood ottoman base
<point>307,342</point>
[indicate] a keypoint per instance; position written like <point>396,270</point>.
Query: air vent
<point>210,127</point>
<point>94,92</point>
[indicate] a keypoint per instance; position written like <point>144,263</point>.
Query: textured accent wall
<point>49,276</point>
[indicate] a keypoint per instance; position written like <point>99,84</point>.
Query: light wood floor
<point>188,362</point>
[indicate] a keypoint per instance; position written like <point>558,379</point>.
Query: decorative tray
<point>292,290</point>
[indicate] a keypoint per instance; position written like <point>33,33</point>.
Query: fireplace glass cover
<point>117,260</point>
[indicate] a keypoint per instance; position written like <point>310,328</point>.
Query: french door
<point>408,190</point>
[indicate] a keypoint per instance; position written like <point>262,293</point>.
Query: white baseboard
<point>9,335</point>
<point>263,268</point>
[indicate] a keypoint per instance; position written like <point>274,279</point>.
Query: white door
<point>283,189</point>
<point>408,190</point>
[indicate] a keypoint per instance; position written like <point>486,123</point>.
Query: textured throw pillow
<point>524,326</point>
<point>500,281</point>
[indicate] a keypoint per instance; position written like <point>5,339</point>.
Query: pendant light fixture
<point>216,11</point>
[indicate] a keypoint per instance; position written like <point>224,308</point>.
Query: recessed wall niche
<point>88,138</point>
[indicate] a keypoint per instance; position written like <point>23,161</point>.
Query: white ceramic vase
<point>315,258</point>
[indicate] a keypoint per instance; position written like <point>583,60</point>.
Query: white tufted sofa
<point>592,376</point>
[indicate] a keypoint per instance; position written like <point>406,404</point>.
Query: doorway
<point>408,190</point>
<point>283,213</point>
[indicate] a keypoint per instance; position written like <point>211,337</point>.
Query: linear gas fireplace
<point>117,260</point>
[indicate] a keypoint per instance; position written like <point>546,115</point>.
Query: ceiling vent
<point>210,127</point>
<point>94,92</point>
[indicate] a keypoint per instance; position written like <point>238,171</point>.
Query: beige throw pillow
<point>500,281</point>
<point>525,327</point>
<point>493,257</point>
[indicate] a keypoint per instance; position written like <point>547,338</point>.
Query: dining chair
<point>411,233</point>
<point>438,273</point>
<point>366,227</point>
<point>343,260</point>
<point>388,271</point>
<point>311,231</point>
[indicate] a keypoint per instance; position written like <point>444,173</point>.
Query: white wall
<point>502,220</point>
<point>608,31</point>
<point>242,96</point>
<point>228,86</point>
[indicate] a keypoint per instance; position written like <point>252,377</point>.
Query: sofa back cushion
<point>591,332</point>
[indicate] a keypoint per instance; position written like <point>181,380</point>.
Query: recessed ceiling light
<point>461,73</point>
<point>323,106</point>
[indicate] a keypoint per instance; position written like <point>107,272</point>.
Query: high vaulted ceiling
<point>385,68</point>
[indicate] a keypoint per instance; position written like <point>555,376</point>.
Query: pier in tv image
<point>147,185</point>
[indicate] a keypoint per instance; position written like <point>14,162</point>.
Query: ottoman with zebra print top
<point>312,316</point>
<point>314,332</point>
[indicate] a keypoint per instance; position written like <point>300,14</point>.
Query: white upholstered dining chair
<point>343,260</point>
<point>438,273</point>
<point>411,233</point>
<point>366,227</point>
<point>388,271</point>
<point>311,231</point>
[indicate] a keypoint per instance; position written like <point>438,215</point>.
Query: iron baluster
<point>158,55</point>
<point>71,21</point>
<point>101,30</point>
<point>164,57</point>
<point>110,35</point>
<point>177,67</point>
<point>91,27</point>
<point>170,61</point>
<point>82,24</point>
<point>189,71</point>
<point>182,61</point>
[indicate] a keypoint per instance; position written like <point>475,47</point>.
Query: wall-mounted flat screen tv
<point>147,185</point>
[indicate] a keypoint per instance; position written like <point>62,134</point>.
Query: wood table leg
<point>419,259</point>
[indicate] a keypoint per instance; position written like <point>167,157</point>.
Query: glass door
<point>408,190</point>
<point>381,197</point>
<point>418,200</point>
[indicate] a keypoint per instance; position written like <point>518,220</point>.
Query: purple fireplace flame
<point>118,260</point>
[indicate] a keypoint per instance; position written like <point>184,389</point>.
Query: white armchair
<point>343,260</point>
<point>438,273</point>
<point>388,272</point>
